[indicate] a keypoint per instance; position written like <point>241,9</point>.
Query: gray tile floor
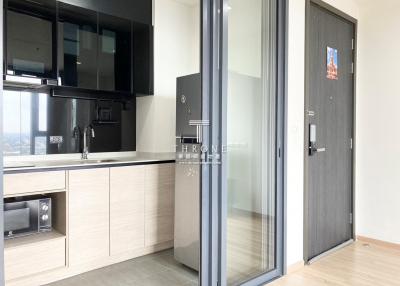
<point>150,270</point>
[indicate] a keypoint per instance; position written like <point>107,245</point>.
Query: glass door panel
<point>30,38</point>
<point>78,40</point>
<point>251,140</point>
<point>115,53</point>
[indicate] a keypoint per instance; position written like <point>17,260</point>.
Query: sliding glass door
<point>244,103</point>
<point>251,193</point>
<point>252,237</point>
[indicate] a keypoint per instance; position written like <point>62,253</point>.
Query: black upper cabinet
<point>94,46</point>
<point>78,46</point>
<point>30,35</point>
<point>135,10</point>
<point>143,59</point>
<point>115,53</point>
<point>95,50</point>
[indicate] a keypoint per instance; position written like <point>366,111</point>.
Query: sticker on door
<point>332,63</point>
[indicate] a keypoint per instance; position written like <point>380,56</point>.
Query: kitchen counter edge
<point>7,171</point>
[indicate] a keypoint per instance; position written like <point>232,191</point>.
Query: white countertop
<point>32,163</point>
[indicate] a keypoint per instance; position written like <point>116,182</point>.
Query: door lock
<point>312,148</point>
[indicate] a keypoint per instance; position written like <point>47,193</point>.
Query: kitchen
<point>89,140</point>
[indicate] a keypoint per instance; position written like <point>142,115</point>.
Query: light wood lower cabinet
<point>126,209</point>
<point>88,215</point>
<point>32,258</point>
<point>104,216</point>
<point>159,203</point>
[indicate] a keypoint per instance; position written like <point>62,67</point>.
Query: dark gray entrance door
<point>329,123</point>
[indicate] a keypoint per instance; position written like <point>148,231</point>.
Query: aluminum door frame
<point>208,196</point>
<point>349,18</point>
<point>2,281</point>
<point>214,176</point>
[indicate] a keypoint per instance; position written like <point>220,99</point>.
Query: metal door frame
<point>214,98</point>
<point>308,58</point>
<point>2,280</point>
<point>210,174</point>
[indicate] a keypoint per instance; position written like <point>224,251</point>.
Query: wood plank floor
<point>360,264</point>
<point>249,251</point>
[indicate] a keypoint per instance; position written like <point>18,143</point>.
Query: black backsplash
<point>38,124</point>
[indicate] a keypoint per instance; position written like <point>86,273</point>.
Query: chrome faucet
<point>85,152</point>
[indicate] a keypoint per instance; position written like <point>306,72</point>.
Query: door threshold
<point>329,252</point>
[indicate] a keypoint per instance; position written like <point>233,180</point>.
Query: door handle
<point>313,149</point>
<point>313,141</point>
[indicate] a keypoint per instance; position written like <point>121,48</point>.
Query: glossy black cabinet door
<point>30,36</point>
<point>115,54</point>
<point>78,46</point>
<point>135,10</point>
<point>143,59</point>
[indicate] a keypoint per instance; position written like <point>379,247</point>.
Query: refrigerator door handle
<point>199,134</point>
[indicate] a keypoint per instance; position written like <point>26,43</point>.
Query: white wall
<point>295,129</point>
<point>176,53</point>
<point>244,37</point>
<point>378,121</point>
<point>295,170</point>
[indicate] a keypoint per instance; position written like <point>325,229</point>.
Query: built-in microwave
<point>24,217</point>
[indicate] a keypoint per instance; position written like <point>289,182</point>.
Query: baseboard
<point>380,243</point>
<point>295,267</point>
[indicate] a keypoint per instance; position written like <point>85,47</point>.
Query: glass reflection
<point>43,112</point>
<point>25,123</point>
<point>77,46</point>
<point>251,140</point>
<point>12,124</point>
<point>39,124</point>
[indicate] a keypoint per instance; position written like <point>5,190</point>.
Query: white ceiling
<point>189,2</point>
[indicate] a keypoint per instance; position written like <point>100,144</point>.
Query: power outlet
<point>56,139</point>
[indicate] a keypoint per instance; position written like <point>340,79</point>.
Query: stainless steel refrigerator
<point>187,171</point>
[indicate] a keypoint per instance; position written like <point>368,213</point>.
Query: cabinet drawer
<point>26,183</point>
<point>34,258</point>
